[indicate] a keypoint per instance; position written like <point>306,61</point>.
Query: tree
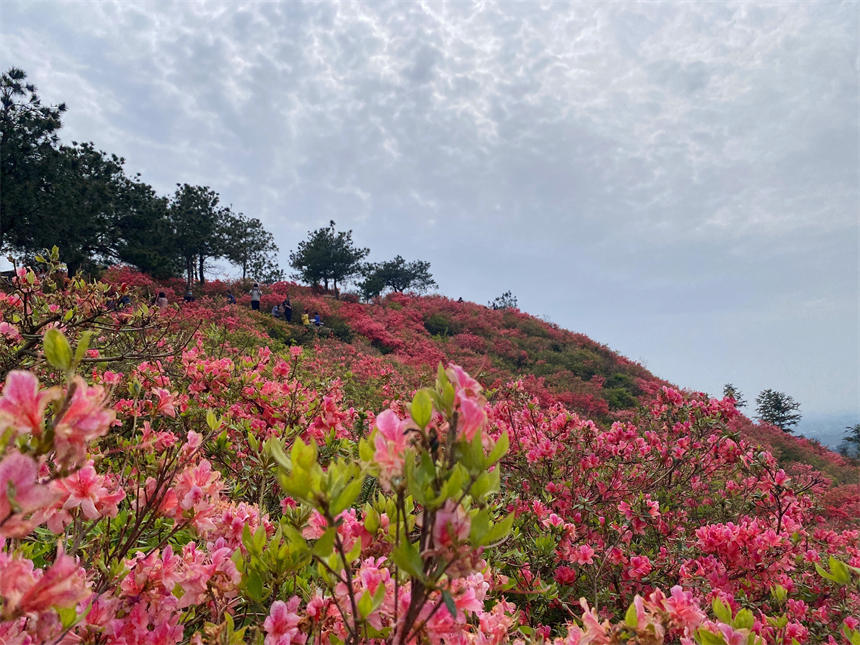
<point>850,446</point>
<point>397,275</point>
<point>250,246</point>
<point>28,142</point>
<point>197,223</point>
<point>733,392</point>
<point>505,301</point>
<point>77,206</point>
<point>145,237</point>
<point>778,409</point>
<point>327,255</point>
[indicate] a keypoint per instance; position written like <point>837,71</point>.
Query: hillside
<point>412,334</point>
<point>419,470</point>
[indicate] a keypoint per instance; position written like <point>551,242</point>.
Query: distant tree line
<point>329,257</point>
<point>83,200</point>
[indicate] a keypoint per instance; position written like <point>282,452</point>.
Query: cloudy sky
<point>677,180</point>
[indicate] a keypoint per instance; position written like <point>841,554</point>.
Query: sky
<point>679,180</point>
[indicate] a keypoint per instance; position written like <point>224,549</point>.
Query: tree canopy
<point>327,255</point>
<point>397,275</point>
<point>81,199</point>
<point>735,393</point>
<point>777,408</point>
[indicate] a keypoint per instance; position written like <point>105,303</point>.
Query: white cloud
<point>640,142</point>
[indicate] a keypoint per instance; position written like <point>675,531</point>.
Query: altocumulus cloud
<point>678,180</point>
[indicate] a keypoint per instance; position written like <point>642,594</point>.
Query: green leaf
<point>365,605</point>
<point>779,593</point>
<point>824,573</point>
<point>706,637</point>
<point>422,408</point>
<point>631,618</point>
<point>499,450</point>
<point>83,346</point>
<point>407,557</point>
<point>260,539</point>
<point>744,619</point>
<point>840,571</point>
<point>347,496</point>
<point>722,611</point>
<point>68,616</point>
<point>324,546</point>
<point>212,420</point>
<point>57,350</point>
<point>276,450</point>
<point>365,448</point>
<point>479,526</point>
<point>852,635</point>
<point>499,531</point>
<point>488,482</point>
<point>777,622</point>
<point>441,378</point>
<point>448,395</point>
<point>378,597</point>
<point>353,554</point>
<point>450,605</point>
<point>254,585</point>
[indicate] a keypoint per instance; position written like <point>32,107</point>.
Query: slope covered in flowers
<point>205,474</point>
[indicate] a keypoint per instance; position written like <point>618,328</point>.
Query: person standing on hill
<point>256,294</point>
<point>287,307</point>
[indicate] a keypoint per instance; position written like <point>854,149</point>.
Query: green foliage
<point>397,275</point>
<point>733,392</point>
<point>436,484</point>
<point>339,328</point>
<point>505,301</point>
<point>327,255</point>
<point>247,244</point>
<point>850,446</point>
<point>82,198</point>
<point>28,137</point>
<point>438,324</point>
<point>778,409</point>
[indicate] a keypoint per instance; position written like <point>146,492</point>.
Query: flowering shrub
<point>178,476</point>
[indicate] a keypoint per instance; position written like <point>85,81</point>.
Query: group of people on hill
<point>281,311</point>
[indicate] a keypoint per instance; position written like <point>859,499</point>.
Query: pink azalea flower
<point>85,419</point>
<point>63,584</point>
<point>584,554</point>
<point>391,443</point>
<point>452,525</point>
<point>471,417</point>
<point>282,624</point>
<point>87,490</point>
<point>21,497</point>
<point>166,402</point>
<point>22,406</point>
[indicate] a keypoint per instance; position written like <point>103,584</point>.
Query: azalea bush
<point>177,475</point>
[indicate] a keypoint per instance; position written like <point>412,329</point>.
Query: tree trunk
<point>202,278</point>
